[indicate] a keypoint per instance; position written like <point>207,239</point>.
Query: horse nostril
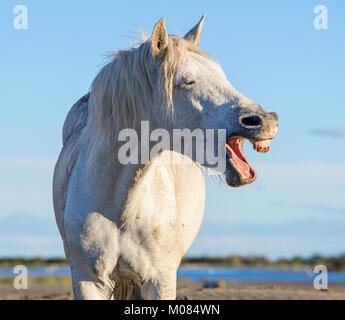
<point>252,121</point>
<point>274,116</point>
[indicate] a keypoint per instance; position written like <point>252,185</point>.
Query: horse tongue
<point>261,144</point>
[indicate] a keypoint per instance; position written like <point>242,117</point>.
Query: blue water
<point>212,274</point>
<point>50,271</point>
<point>255,274</point>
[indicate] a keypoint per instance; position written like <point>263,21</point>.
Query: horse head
<point>203,98</point>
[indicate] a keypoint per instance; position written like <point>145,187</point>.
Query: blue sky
<point>271,53</point>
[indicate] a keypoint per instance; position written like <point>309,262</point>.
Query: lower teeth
<point>262,150</point>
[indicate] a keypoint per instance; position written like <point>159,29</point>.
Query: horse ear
<point>159,38</point>
<point>194,34</point>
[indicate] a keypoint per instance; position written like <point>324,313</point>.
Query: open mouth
<point>234,148</point>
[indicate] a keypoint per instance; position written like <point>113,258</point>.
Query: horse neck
<point>103,165</point>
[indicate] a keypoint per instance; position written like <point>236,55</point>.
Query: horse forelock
<point>122,92</point>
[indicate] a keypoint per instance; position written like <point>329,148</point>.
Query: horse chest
<point>167,204</point>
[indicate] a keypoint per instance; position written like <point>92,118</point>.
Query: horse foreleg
<point>163,288</point>
<point>88,287</point>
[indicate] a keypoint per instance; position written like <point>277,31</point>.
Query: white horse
<point>126,228</point>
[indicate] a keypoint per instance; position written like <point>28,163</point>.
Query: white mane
<point>123,90</point>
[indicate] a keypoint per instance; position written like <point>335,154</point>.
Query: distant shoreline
<point>296,263</point>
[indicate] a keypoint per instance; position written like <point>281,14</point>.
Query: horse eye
<point>189,83</point>
<point>185,84</point>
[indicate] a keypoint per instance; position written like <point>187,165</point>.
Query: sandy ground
<point>61,289</point>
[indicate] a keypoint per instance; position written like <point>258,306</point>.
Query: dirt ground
<point>60,288</point>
